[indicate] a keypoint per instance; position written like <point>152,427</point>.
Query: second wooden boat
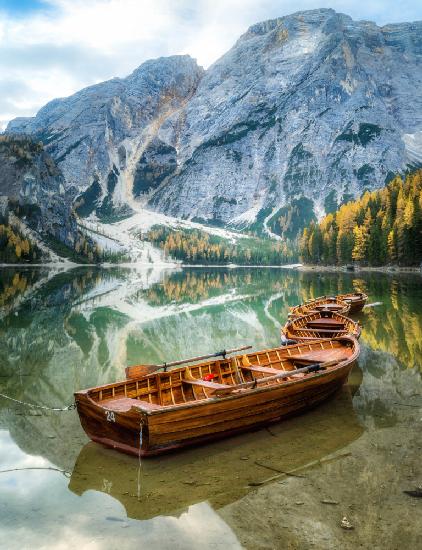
<point>328,303</point>
<point>321,324</point>
<point>162,411</point>
<point>357,300</point>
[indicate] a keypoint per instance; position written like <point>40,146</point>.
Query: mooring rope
<point>36,406</point>
<point>64,472</point>
<point>139,458</point>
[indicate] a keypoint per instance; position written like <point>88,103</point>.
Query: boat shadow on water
<point>221,472</point>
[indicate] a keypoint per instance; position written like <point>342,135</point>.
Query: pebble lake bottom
<point>331,478</point>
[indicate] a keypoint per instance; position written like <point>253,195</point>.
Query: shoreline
<point>359,269</point>
<point>65,266</point>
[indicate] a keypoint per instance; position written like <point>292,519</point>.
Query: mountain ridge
<point>309,109</point>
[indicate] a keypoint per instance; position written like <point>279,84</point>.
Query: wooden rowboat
<point>328,303</point>
<point>167,410</point>
<point>356,300</point>
<point>321,324</point>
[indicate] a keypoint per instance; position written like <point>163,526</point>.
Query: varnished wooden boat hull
<point>181,425</point>
<point>304,328</point>
<point>333,303</point>
<point>356,301</point>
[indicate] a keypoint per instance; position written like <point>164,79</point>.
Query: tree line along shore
<point>383,227</point>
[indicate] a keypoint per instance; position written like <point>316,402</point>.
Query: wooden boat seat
<point>124,404</point>
<point>264,370</point>
<point>247,365</point>
<point>324,330</point>
<point>324,325</point>
<point>314,324</point>
<point>205,384</point>
<point>269,370</point>
<point>325,322</point>
<point>319,356</point>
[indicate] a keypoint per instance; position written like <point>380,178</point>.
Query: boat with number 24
<point>153,412</point>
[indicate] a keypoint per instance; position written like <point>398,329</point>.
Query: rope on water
<point>139,459</point>
<point>64,472</point>
<point>36,406</point>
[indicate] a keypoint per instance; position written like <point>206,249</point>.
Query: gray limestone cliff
<point>312,107</point>
<point>33,187</point>
<point>101,136</point>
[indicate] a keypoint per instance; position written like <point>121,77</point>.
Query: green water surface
<point>288,486</point>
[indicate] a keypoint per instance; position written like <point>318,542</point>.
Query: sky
<point>52,48</point>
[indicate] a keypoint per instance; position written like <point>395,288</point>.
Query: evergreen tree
<point>383,226</point>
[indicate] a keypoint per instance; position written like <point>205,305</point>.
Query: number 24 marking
<point>110,416</point>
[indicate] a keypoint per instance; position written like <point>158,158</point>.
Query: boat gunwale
<point>360,296</point>
<point>290,330</point>
<point>306,307</point>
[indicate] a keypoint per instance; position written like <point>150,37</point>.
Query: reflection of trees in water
<point>202,284</point>
<point>15,283</point>
<point>32,289</point>
<point>396,326</point>
<point>43,338</point>
<point>53,314</point>
<point>195,285</point>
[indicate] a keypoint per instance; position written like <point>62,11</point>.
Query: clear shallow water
<point>62,331</point>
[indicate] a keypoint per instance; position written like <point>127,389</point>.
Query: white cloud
<point>54,52</point>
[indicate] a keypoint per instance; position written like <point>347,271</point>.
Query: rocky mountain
<point>100,136</point>
<point>33,194</point>
<point>305,110</point>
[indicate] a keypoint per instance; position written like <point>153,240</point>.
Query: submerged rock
<point>346,524</point>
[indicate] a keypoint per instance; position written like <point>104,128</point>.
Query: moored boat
<point>321,324</point>
<point>357,300</point>
<point>162,411</point>
<point>327,303</point>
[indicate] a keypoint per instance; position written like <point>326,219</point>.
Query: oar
<point>220,392</point>
<point>135,371</point>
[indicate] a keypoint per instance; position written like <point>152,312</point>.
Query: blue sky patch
<point>18,7</point>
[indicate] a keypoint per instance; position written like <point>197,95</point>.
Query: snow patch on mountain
<point>125,236</point>
<point>413,144</point>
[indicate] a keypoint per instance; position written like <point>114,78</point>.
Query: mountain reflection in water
<point>61,331</point>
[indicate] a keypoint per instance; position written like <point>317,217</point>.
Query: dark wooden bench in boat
<point>124,404</point>
<point>324,330</point>
<point>204,383</point>
<point>324,323</point>
<point>269,370</point>
<point>263,370</point>
<point>318,356</point>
